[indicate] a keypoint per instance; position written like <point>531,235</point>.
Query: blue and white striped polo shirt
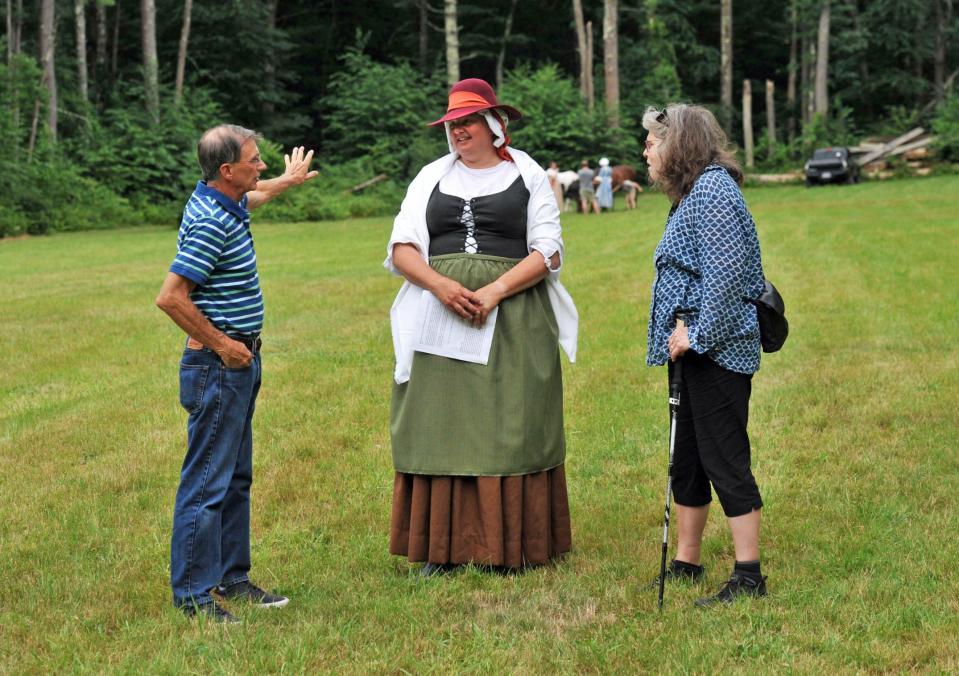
<point>215,250</point>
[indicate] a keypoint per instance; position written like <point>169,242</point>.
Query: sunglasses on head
<point>661,118</point>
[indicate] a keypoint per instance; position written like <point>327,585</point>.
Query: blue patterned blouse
<point>707,266</point>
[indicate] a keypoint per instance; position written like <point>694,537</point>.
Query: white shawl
<point>542,230</point>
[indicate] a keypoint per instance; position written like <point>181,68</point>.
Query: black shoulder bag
<point>771,312</point>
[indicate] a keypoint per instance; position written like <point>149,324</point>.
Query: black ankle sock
<point>684,564</point>
<point>750,568</point>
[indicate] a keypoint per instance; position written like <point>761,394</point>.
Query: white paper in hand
<point>443,332</point>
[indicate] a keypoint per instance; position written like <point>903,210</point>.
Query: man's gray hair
<point>219,145</point>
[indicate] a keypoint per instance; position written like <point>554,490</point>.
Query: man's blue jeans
<point>211,517</point>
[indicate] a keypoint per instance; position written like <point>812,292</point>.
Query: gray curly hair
<point>692,140</point>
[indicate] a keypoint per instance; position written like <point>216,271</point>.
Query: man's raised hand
<point>298,165</point>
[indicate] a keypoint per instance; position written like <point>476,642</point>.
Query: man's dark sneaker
<point>247,591</point>
<point>680,571</point>
<point>737,585</point>
<point>211,611</point>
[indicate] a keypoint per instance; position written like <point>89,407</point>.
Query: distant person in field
<point>569,182</point>
<point>630,188</point>
<point>587,190</point>
<point>553,175</point>
<point>212,292</point>
<point>604,193</point>
<point>479,450</point>
<point>707,268</point>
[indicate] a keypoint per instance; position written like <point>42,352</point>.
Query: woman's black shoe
<point>680,571</point>
<point>737,585</point>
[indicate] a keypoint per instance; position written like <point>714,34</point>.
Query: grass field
<point>854,427</point>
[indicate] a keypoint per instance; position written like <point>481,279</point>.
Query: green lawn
<point>854,428</point>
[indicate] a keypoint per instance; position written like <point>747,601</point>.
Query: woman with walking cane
<point>707,268</point>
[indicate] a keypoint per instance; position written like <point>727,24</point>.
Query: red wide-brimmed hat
<point>473,95</point>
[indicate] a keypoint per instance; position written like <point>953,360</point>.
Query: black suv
<point>831,165</point>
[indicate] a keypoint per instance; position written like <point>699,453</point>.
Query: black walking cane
<point>675,382</point>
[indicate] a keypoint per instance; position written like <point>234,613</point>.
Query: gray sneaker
<point>249,592</point>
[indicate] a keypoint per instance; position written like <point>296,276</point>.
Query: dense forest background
<point>103,100</point>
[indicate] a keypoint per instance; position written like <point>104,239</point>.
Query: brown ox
<point>622,172</point>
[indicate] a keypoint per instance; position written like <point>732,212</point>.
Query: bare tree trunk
<point>793,67</point>
<point>918,58</point>
<point>811,84</point>
<point>14,26</point>
<point>808,58</point>
<point>726,59</point>
<point>424,35</point>
<point>803,77</point>
<point>748,123</point>
<point>185,41</point>
<point>18,29</point>
<point>48,39</point>
<point>11,84</point>
<point>100,64</point>
<point>148,40</point>
<point>863,61</point>
<point>116,41</point>
<point>501,57</point>
<point>581,48</point>
<point>79,13</point>
<point>268,107</point>
<point>943,19</point>
<point>611,59</point>
<point>822,61</point>
<point>9,32</point>
<point>770,118</point>
<point>101,60</point>
<point>31,144</point>
<point>590,92</point>
<point>452,42</point>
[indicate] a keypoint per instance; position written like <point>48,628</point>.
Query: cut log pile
<point>788,177</point>
<point>874,158</point>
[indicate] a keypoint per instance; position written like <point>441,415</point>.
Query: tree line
<point>103,99</point>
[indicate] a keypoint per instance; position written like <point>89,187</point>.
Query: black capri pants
<point>712,446</point>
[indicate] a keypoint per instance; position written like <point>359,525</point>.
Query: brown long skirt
<point>509,521</point>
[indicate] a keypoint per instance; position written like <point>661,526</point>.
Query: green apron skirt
<point>505,418</point>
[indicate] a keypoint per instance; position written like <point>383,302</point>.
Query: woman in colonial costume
<point>479,450</point>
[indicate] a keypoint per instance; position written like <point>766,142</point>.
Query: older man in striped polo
<point>212,292</point>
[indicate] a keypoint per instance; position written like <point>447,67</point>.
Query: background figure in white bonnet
<point>604,194</point>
